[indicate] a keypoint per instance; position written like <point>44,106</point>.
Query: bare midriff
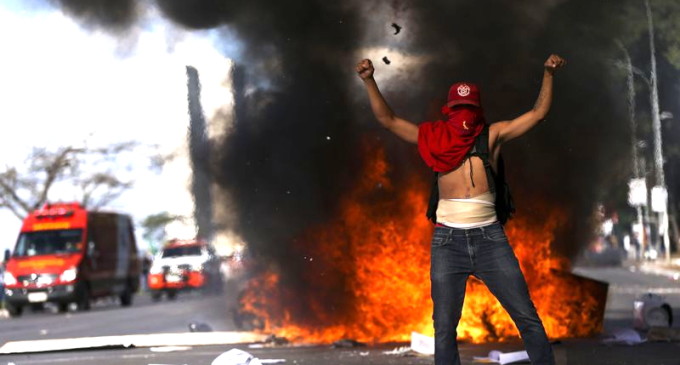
<point>458,183</point>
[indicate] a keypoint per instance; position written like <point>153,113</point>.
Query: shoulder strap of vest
<point>434,199</point>
<point>481,150</point>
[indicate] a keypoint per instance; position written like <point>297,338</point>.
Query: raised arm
<point>508,130</point>
<point>382,111</point>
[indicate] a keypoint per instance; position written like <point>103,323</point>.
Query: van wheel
<point>172,294</point>
<point>83,301</point>
<point>14,310</point>
<point>126,297</point>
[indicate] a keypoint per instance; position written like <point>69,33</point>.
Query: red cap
<point>463,93</point>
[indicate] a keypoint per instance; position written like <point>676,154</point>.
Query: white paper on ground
<point>496,356</point>
<point>236,357</point>
<point>422,344</point>
<point>625,336</point>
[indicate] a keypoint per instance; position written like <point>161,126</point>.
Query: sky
<point>62,85</point>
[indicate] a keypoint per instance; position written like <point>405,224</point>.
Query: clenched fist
<point>553,63</point>
<point>365,69</point>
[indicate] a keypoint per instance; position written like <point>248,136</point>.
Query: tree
<point>90,171</point>
<point>154,227</point>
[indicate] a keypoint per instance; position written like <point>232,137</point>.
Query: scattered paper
<point>236,357</point>
<point>239,357</point>
<point>624,336</point>
<point>496,356</point>
<point>422,344</point>
<point>398,351</point>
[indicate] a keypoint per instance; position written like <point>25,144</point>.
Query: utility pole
<point>637,175</point>
<point>656,123</point>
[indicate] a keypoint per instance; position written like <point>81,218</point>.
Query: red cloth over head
<point>444,144</point>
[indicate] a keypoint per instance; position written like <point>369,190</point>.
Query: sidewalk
<point>670,269</point>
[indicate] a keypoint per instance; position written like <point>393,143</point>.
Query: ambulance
<point>184,265</point>
<point>66,254</point>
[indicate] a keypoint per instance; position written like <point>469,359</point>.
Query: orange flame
<point>374,260</point>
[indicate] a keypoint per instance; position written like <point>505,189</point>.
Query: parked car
<point>66,254</point>
<point>184,265</point>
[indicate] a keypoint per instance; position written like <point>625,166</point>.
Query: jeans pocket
<point>439,238</point>
<point>495,233</point>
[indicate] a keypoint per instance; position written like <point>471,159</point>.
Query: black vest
<point>505,207</point>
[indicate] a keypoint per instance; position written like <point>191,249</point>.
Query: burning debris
<point>368,279</point>
<point>199,327</point>
<point>383,238</point>
<point>347,343</point>
<point>397,28</point>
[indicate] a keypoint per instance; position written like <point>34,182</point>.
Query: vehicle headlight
<point>69,275</point>
<point>8,278</point>
<point>155,269</point>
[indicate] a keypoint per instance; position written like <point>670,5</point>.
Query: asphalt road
<point>628,283</point>
<point>108,318</point>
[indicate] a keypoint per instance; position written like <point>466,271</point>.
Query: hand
<point>365,69</point>
<point>553,63</point>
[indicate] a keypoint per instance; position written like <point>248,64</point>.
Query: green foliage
<point>154,228</point>
<point>667,23</point>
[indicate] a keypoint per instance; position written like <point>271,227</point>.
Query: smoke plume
<point>294,151</point>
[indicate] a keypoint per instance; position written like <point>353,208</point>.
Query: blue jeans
<point>485,253</point>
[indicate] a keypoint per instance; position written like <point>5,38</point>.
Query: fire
<point>365,275</point>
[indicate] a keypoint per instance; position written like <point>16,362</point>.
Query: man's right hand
<point>365,69</point>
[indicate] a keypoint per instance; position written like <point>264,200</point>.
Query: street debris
<point>270,341</point>
<point>276,340</point>
<point>496,356</point>
<point>169,348</point>
<point>422,344</point>
<point>651,310</point>
<point>397,28</point>
<point>663,334</point>
<point>240,357</point>
<point>347,343</point>
<point>624,336</point>
<point>199,327</point>
<point>400,351</point>
<point>236,357</point>
<point>386,60</point>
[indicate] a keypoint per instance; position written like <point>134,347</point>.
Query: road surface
<point>105,319</point>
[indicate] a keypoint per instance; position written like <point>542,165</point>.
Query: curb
<point>151,340</point>
<point>671,270</point>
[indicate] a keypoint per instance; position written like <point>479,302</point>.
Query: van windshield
<point>49,242</point>
<point>182,251</point>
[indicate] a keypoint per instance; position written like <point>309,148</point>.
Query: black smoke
<point>113,15</point>
<point>300,110</point>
